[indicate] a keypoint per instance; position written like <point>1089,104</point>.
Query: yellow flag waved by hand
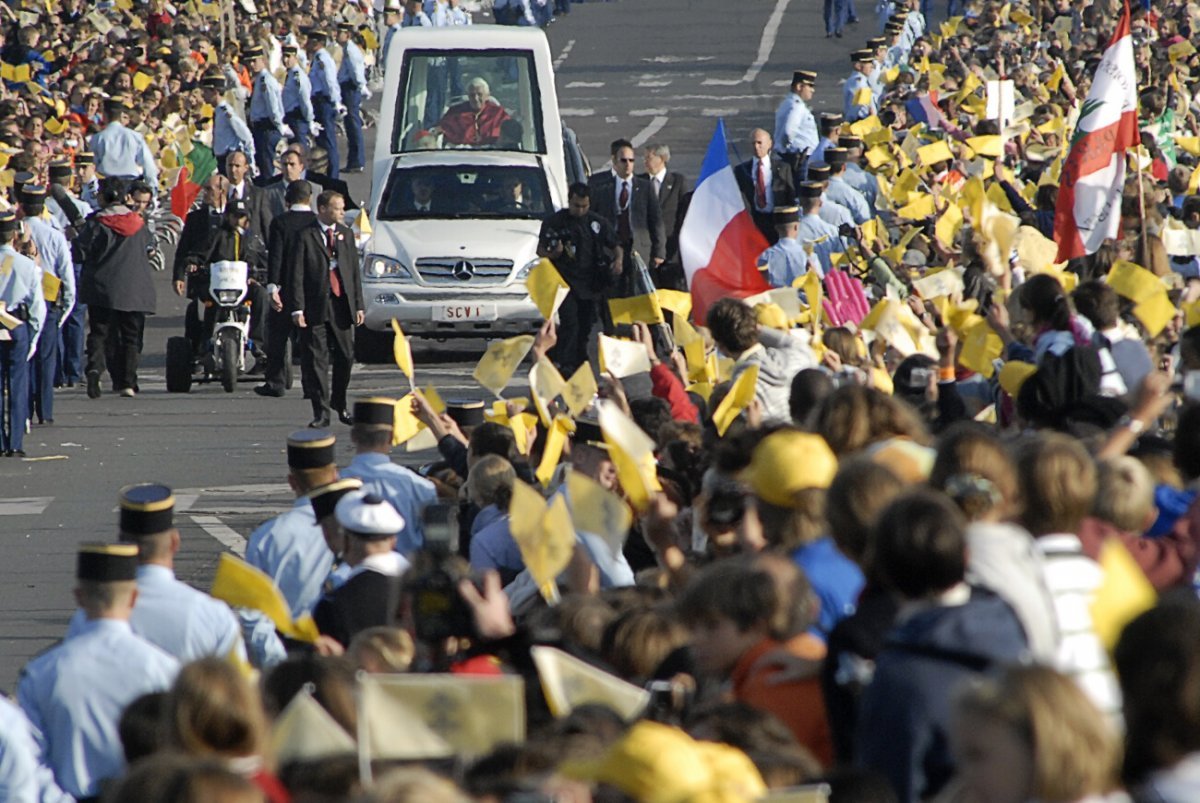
<point>243,586</point>
<point>632,453</point>
<point>569,683</point>
<point>638,309</point>
<point>545,383</point>
<point>736,400</point>
<point>546,287</point>
<point>597,510</point>
<point>543,533</point>
<point>580,390</point>
<point>622,358</point>
<point>1123,593</point>
<point>402,351</point>
<point>497,366</point>
<point>305,731</point>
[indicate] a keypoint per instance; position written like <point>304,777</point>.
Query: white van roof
<point>482,37</point>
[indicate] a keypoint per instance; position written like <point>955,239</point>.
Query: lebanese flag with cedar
<point>1093,176</point>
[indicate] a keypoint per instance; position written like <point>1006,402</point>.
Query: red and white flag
<point>1093,176</point>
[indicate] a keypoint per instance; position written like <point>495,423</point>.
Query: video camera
<point>439,611</point>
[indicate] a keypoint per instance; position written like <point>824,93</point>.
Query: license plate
<point>464,312</point>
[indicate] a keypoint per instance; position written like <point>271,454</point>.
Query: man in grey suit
<point>674,193</point>
<point>629,203</point>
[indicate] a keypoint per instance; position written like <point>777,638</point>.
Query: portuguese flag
<point>198,166</point>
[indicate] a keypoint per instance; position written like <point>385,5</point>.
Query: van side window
<point>477,99</point>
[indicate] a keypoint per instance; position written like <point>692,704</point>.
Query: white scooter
<point>228,288</point>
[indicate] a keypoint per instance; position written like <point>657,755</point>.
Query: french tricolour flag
<point>924,109</point>
<point>719,242</point>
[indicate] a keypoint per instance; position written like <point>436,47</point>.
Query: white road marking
<point>611,119</point>
<point>566,51</point>
<point>784,82</point>
<point>229,538</point>
<point>719,112</point>
<point>721,82</point>
<point>767,43</point>
<point>184,502</point>
<point>25,506</point>
<point>677,59</point>
<point>585,84</point>
<point>576,112</point>
<point>654,83</point>
<point>647,112</point>
<point>653,127</point>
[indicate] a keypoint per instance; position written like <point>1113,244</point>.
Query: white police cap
<point>369,516</point>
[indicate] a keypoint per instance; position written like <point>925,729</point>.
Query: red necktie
<point>760,187</point>
<point>335,278</point>
<point>624,224</point>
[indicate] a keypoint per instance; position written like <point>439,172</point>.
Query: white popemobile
<point>470,156</point>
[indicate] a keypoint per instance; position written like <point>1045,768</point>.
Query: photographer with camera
<point>584,250</point>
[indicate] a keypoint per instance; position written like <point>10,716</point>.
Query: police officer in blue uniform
<point>854,106</point>
<point>393,18</point>
<point>297,99</point>
<point>55,255</point>
<point>75,692</point>
<point>230,132</point>
<point>326,98</point>
<point>407,491</point>
<point>830,122</point>
<point>831,212</point>
<point>70,346</point>
<point>795,127</point>
<point>25,309</point>
<point>266,111</point>
<point>181,621</point>
<point>840,191</point>
<point>352,80</point>
<point>814,232</point>
<point>855,175</point>
<point>786,260</point>
<point>324,502</point>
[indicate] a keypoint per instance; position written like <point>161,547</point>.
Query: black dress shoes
<point>320,422</point>
<point>345,417</point>
<point>269,390</point>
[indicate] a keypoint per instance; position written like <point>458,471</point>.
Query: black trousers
<point>279,329</point>
<point>576,317</point>
<point>331,340</point>
<point>114,344</point>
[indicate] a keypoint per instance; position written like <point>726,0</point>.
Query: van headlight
<point>530,265</point>
<point>379,267</point>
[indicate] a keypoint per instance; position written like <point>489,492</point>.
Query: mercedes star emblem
<point>462,270</point>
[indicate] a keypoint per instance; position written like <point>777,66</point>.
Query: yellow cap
<point>656,763</point>
<point>788,462</point>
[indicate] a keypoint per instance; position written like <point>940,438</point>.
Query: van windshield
<point>476,99</point>
<point>457,191</point>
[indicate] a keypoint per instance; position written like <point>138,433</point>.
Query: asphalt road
<point>644,69</point>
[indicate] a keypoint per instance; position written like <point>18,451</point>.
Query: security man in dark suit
<point>630,205</point>
<point>766,181</point>
<point>241,188</point>
<point>674,193</point>
<point>326,303</point>
<point>281,263</point>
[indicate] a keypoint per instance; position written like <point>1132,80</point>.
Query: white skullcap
<point>368,516</point>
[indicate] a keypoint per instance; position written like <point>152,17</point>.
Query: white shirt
<point>657,180</point>
<point>237,191</point>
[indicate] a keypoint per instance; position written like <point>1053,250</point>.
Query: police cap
<point>146,509</point>
<point>836,156</point>
<point>107,563</point>
<point>325,498</point>
<point>810,189</point>
<point>819,173</point>
<point>806,77</point>
<point>783,215</point>
<point>310,448</point>
<point>465,413</point>
<point>376,410</point>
